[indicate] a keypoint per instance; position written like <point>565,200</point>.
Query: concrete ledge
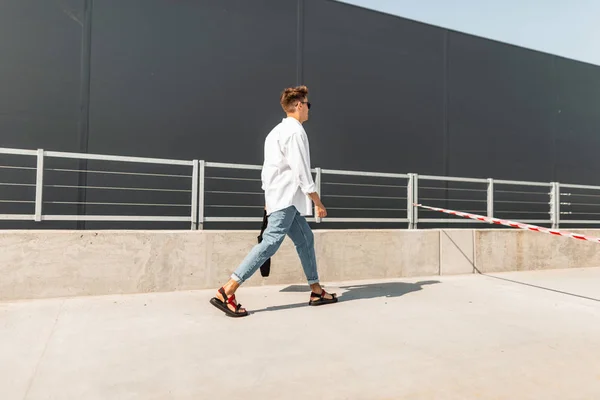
<point>520,250</point>
<point>363,254</point>
<point>40,264</point>
<point>457,251</point>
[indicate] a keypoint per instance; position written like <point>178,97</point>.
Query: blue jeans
<point>281,223</point>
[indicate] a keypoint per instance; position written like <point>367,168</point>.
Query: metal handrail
<point>405,193</point>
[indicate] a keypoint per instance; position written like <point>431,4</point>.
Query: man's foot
<point>228,304</point>
<point>319,297</point>
<point>232,304</point>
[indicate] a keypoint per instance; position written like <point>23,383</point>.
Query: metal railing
<point>113,188</point>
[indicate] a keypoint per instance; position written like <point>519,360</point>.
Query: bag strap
<point>264,226</point>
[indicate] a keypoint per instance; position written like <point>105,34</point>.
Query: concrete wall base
<point>41,264</point>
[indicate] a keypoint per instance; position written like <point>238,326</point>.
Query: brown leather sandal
<point>222,305</point>
<point>322,300</point>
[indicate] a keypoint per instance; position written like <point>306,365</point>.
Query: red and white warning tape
<point>512,224</point>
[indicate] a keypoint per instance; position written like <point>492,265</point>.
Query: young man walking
<point>289,194</point>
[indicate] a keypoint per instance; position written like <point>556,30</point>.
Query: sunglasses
<point>307,103</point>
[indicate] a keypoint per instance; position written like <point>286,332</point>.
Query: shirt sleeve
<point>298,157</point>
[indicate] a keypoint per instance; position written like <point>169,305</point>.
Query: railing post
<point>318,185</point>
<point>490,198</point>
<point>557,186</point>
<point>412,212</point>
<point>194,216</point>
<point>415,200</point>
<point>555,204</point>
<point>201,180</point>
<point>409,201</point>
<point>39,185</point>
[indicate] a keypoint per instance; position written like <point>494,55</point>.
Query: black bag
<point>266,267</point>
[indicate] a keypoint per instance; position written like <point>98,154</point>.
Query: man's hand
<point>319,207</point>
<point>321,211</point>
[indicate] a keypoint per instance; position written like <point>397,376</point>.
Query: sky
<point>568,28</point>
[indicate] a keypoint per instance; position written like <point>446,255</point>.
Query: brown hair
<point>290,96</point>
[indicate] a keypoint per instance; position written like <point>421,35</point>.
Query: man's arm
<point>314,196</point>
<point>299,160</point>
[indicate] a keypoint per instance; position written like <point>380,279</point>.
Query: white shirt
<point>286,176</point>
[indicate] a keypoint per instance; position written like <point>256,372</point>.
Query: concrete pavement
<point>523,335</point>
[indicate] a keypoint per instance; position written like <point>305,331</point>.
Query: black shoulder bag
<point>266,267</point>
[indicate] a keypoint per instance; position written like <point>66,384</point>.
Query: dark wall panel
<point>377,86</point>
<point>189,79</point>
<point>40,72</point>
<point>578,122</point>
<point>502,110</point>
<point>40,47</point>
<point>578,137</point>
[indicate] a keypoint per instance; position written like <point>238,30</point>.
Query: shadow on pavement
<point>355,292</point>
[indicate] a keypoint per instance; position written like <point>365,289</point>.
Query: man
<point>289,189</point>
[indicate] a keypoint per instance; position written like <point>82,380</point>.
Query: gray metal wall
<point>189,79</point>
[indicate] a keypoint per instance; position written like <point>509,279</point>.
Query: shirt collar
<point>292,120</point>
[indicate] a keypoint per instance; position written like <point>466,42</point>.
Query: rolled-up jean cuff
<point>237,278</point>
<point>313,282</point>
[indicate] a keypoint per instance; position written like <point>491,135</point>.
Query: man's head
<point>294,102</point>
